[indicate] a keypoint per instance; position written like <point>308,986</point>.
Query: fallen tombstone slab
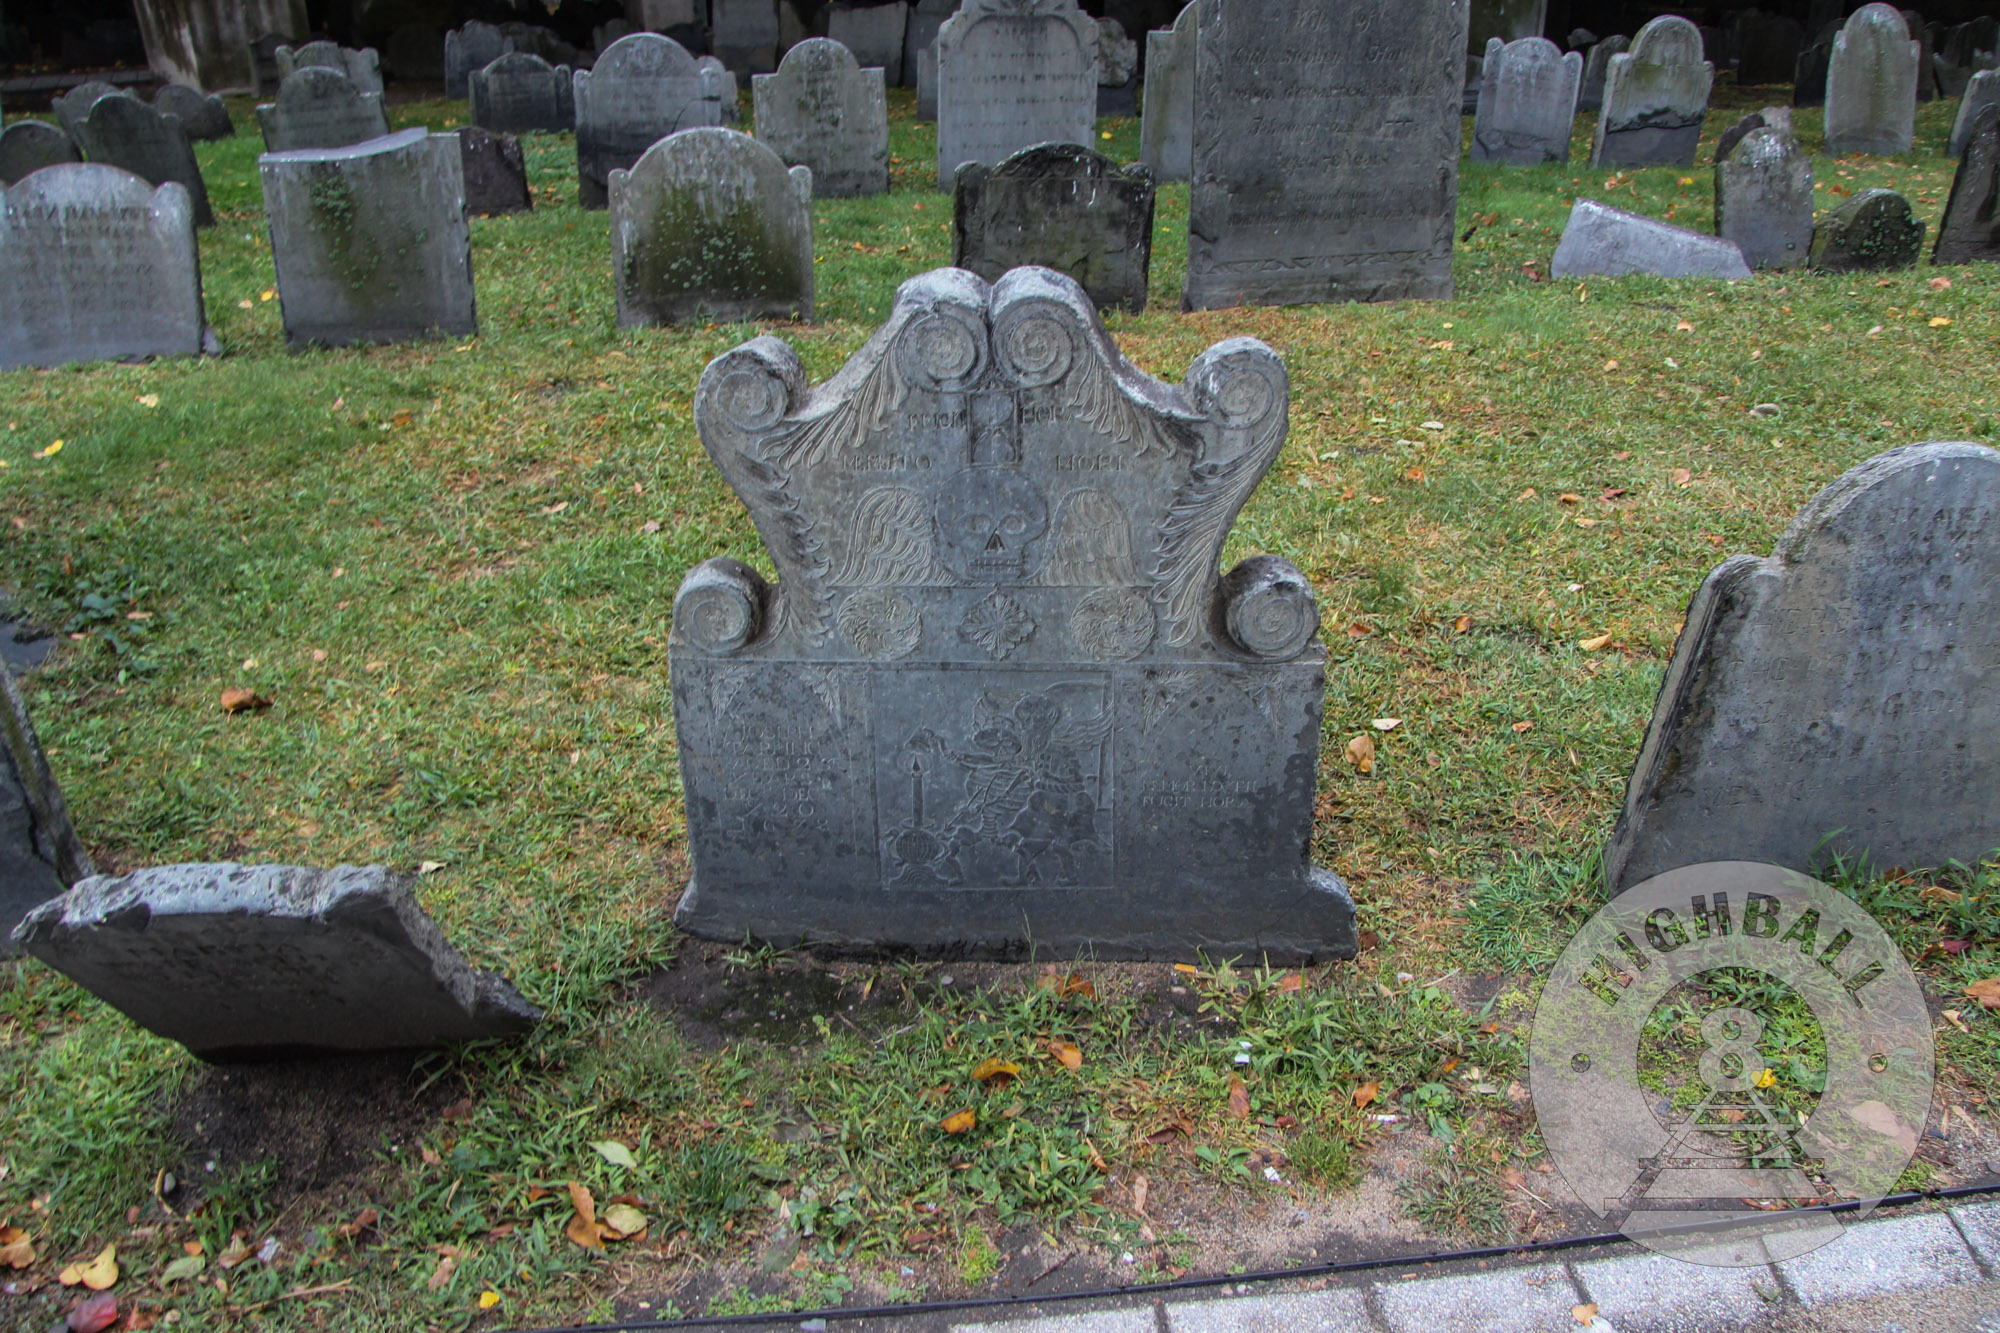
<point>1873,230</point>
<point>40,854</point>
<point>1603,242</point>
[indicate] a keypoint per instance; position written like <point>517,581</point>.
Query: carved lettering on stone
<point>1012,74</point>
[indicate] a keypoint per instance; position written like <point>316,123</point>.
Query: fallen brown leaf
<point>243,701</point>
<point>1523,727</point>
<point>1067,1053</point>
<point>17,1250</point>
<point>1367,1093</point>
<point>1489,1027</point>
<point>1987,992</point>
<point>1291,982</point>
<point>958,1122</point>
<point>1361,753</point>
<point>583,1228</point>
<point>93,1316</point>
<point>1679,476</point>
<point>362,1221</point>
<point>441,1275</point>
<point>993,1068</point>
<point>1239,1099</point>
<point>1462,624</point>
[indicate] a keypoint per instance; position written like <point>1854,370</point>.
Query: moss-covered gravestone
<point>1873,230</point>
<point>824,111</point>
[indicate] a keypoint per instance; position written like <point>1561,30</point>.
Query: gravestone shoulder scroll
<point>1969,232</point>
<point>203,117</point>
<point>1871,78</point>
<point>1012,74</point>
<point>1655,98</point>
<point>642,89</point>
<point>496,174</point>
<point>1836,698</point>
<point>40,854</point>
<point>30,145</point>
<point>1166,124</point>
<point>521,92</point>
<point>122,131</point>
<point>999,700</point>
<point>364,66</point>
<point>320,107</point>
<point>1061,206</point>
<point>1527,103</point>
<point>1764,200</point>
<point>824,111</point>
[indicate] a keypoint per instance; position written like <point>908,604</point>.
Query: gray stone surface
<point>1166,127</point>
<point>1979,1223</point>
<point>711,225</point>
<point>1981,91</point>
<point>40,854</point>
<point>72,106</point>
<point>202,117</point>
<point>640,91</point>
<point>1871,84</point>
<point>1527,102</point>
<point>1365,141</point>
<point>719,87</point>
<point>1841,687</point>
<point>1767,47</point>
<point>495,173</point>
<point>1878,1258</point>
<point>1764,200</point>
<point>474,46</point>
<point>927,83</point>
<point>320,107</point>
<point>1926,67</point>
<point>822,110</point>
<point>1590,97</point>
<point>1970,228</point>
<point>745,35</point>
<point>370,241</point>
<point>1513,1300</point>
<point>1064,207</point>
<point>1076,1321</point>
<point>921,29</point>
<point>1726,143</point>
<point>1599,241</point>
<point>121,131</point>
<point>1337,1311</point>
<point>1117,69</point>
<point>1012,74</point>
<point>1652,1293</point>
<point>248,961</point>
<point>1655,98</point>
<point>1873,230</point>
<point>30,145</point>
<point>1809,76</point>
<point>999,700</point>
<point>363,66</point>
<point>874,33</point>
<point>520,93</point>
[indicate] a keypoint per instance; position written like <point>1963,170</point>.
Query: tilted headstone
<point>496,174</point>
<point>1838,697</point>
<point>1591,96</point>
<point>30,145</point>
<point>1809,78</point>
<point>1981,91</point>
<point>1970,228</point>
<point>999,703</point>
<point>71,107</point>
<point>370,241</point>
<point>519,93</point>
<point>1166,126</point>
<point>1060,206</point>
<point>1873,230</point>
<point>122,131</point>
<point>474,46</point>
<point>1603,242</point>
<point>1527,103</point>
<point>40,854</point>
<point>640,91</point>
<point>1764,200</point>
<point>1011,74</point>
<point>711,225</point>
<point>822,110</point>
<point>1767,47</point>
<point>1364,135</point>
<point>745,37</point>
<point>320,107</point>
<point>203,118</point>
<point>921,29</point>
<point>874,33</point>
<point>244,962</point>
<point>1655,98</point>
<point>416,53</point>
<point>364,66</point>
<point>97,265</point>
<point>1871,84</point>
<point>927,84</point>
<point>1117,69</point>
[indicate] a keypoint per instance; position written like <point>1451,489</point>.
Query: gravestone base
<point>1118,99</point>
<point>1650,146</point>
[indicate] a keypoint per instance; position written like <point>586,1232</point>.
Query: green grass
<point>436,560</point>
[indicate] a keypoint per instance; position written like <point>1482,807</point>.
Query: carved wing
<point>1085,733</point>
<point>814,437</point>
<point>1098,398</point>
<point>1092,547</point>
<point>891,543</point>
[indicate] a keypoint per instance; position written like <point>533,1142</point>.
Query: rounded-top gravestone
<point>122,131</point>
<point>1655,98</point>
<point>823,110</point>
<point>1871,84</point>
<point>1527,103</point>
<point>30,145</point>
<point>1873,230</point>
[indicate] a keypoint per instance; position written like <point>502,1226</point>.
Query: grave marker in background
<point>1012,74</point>
<point>1764,200</point>
<point>202,118</point>
<point>474,46</point>
<point>1970,228</point>
<point>822,110</point>
<point>519,93</point>
<point>1061,206</point>
<point>1871,84</point>
<point>1655,98</point>
<point>30,145</point>
<point>640,91</point>
<point>496,175</point>
<point>40,854</point>
<point>1166,127</point>
<point>122,131</point>
<point>1527,103</point>
<point>363,67</point>
<point>321,108</point>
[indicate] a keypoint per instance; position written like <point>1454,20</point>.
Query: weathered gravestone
<point>1764,200</point>
<point>1926,66</point>
<point>921,29</point>
<point>1809,78</point>
<point>822,110</point>
<point>1590,97</point>
<point>745,36</point>
<point>122,131</point>
<point>1603,242</point>
<point>321,108</point>
<point>1871,77</point>
<point>40,854</point>
<point>1970,228</point>
<point>474,46</point>
<point>370,241</point>
<point>244,962</point>
<point>364,66</point>
<point>640,91</point>
<point>999,703</point>
<point>1726,144</point>
<point>1064,207</point>
<point>203,117</point>
<point>1981,91</point>
<point>927,81</point>
<point>1166,126</point>
<point>1873,230</point>
<point>520,92</point>
<point>71,107</point>
<point>1364,135</point>
<point>710,225</point>
<point>720,88</point>
<point>1838,697</point>
<point>1527,103</point>
<point>30,145</point>
<point>874,33</point>
<point>97,265</point>
<point>496,174</point>
<point>1117,69</point>
<point>1012,74</point>
<point>264,62</point>
<point>1655,98</point>
<point>1968,49</point>
<point>1767,47</point>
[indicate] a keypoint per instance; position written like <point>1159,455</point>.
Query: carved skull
<point>990,522</point>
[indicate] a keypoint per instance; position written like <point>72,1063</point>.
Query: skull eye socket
<point>1013,525</point>
<point>975,522</point>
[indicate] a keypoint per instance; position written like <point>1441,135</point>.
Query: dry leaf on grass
<point>1523,727</point>
<point>1679,476</point>
<point>1239,1099</point>
<point>958,1122</point>
<point>1987,992</point>
<point>1367,1093</point>
<point>98,1274</point>
<point>93,1316</point>
<point>1291,981</point>
<point>441,1275</point>
<point>1361,753</point>
<point>243,701</point>
<point>1067,1053</point>
<point>1593,643</point>
<point>993,1068</point>
<point>583,1228</point>
<point>16,1249</point>
<point>235,1252</point>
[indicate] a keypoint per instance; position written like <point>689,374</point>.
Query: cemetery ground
<point>448,568</point>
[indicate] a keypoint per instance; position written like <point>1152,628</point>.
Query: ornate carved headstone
<point>496,174</point>
<point>363,67</point>
<point>320,107</point>
<point>1873,230</point>
<point>822,110</point>
<point>520,92</point>
<point>30,145</point>
<point>1655,98</point>
<point>40,854</point>
<point>874,33</point>
<point>1764,200</point>
<point>1595,66</point>
<point>1061,206</point>
<point>1012,74</point>
<point>1981,91</point>
<point>474,46</point>
<point>1838,697</point>
<point>1355,107</point>
<point>1871,84</point>
<point>1970,228</point>
<point>122,131</point>
<point>1527,102</point>
<point>203,117</point>
<point>745,37</point>
<point>1166,125</point>
<point>999,700</point>
<point>642,89</point>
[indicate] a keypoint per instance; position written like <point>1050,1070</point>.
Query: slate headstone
<point>874,33</point>
<point>921,29</point>
<point>1970,228</point>
<point>474,46</point>
<point>1981,91</point>
<point>1734,135</point>
<point>40,854</point>
<point>72,106</point>
<point>711,225</point>
<point>1764,200</point>
<point>1838,697</point>
<point>1011,74</point>
<point>496,175</point>
<point>1871,78</point>
<point>999,703</point>
<point>1527,103</point>
<point>1809,78</point>
<point>641,90</point>
<point>822,110</point>
<point>1060,206</point>
<point>1595,66</point>
<point>538,40</point>
<point>244,962</point>
<point>363,66</point>
<point>1363,135</point>
<point>1655,98</point>
<point>1767,47</point>
<point>203,117</point>
<point>1603,242</point>
<point>1166,126</point>
<point>320,107</point>
<point>370,241</point>
<point>30,145</point>
<point>97,265</point>
<point>927,83</point>
<point>1873,230</point>
<point>264,61</point>
<point>122,131</point>
<point>519,93</point>
<point>1926,67</point>
<point>415,53</point>
<point>1117,69</point>
<point>746,35</point>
